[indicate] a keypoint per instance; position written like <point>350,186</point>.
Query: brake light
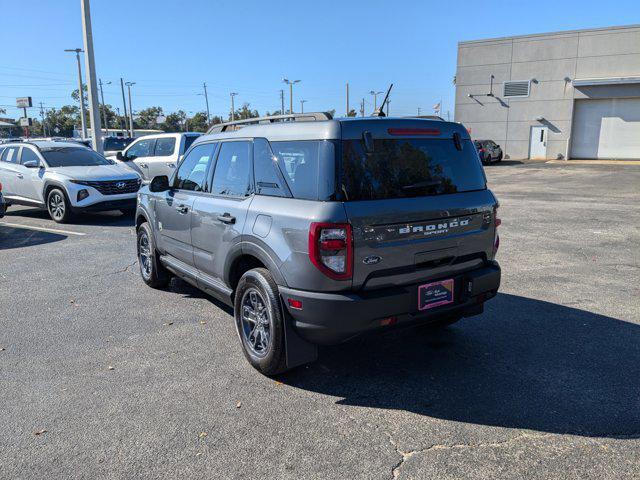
<point>413,131</point>
<point>481,150</point>
<point>497,222</point>
<point>331,249</point>
<point>0,187</point>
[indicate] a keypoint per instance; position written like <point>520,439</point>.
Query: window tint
<point>10,155</point>
<point>308,167</point>
<point>73,157</point>
<point>188,140</point>
<point>192,173</point>
<point>269,180</point>
<point>141,148</point>
<point>28,155</point>
<point>115,143</point>
<point>232,175</point>
<point>409,167</point>
<point>1,152</point>
<point>165,147</point>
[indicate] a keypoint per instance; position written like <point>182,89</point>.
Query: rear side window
<point>165,147</point>
<point>232,175</point>
<point>10,155</point>
<point>269,180</point>
<point>409,167</point>
<point>192,173</point>
<point>308,167</point>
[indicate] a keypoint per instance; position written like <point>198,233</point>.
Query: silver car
<point>65,178</point>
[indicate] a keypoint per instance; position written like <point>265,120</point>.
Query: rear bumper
<point>330,318</point>
<point>122,204</point>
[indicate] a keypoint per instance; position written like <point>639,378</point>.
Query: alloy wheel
<point>56,206</point>
<point>256,322</point>
<point>144,254</point>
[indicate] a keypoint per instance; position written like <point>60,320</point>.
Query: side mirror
<point>121,157</point>
<point>31,164</point>
<point>159,184</point>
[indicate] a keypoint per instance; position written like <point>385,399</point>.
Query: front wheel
<point>152,272</point>
<point>260,321</point>
<point>58,206</point>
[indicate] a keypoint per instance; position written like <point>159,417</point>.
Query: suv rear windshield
<point>409,167</point>
<point>73,157</point>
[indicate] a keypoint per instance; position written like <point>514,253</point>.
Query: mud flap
<point>297,350</point>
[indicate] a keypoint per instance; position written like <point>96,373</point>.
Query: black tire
<point>151,270</point>
<point>268,357</point>
<point>58,206</point>
<point>499,158</point>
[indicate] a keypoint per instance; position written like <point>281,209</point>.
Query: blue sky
<point>170,47</point>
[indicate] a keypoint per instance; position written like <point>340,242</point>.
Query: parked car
<point>112,145</point>
<point>318,231</point>
<point>154,155</point>
<point>3,205</point>
<point>65,178</point>
<point>488,151</point>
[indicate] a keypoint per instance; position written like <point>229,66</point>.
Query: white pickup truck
<point>154,155</point>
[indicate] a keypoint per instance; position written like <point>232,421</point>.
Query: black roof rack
<point>294,117</point>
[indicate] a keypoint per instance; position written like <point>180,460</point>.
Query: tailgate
<point>408,240</point>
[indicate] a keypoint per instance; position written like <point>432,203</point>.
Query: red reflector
<point>297,304</point>
<point>388,321</point>
<point>498,222</point>
<point>333,245</point>
<point>413,131</point>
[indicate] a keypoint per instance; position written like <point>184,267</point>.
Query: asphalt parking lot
<point>103,377</point>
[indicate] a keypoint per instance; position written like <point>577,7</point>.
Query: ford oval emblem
<point>371,260</point>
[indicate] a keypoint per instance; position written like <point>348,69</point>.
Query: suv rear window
<point>409,167</point>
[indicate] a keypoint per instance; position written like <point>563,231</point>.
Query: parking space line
<point>42,229</point>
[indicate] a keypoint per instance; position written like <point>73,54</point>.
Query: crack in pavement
<point>405,455</point>
<point>116,272</point>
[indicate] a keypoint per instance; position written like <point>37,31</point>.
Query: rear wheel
<point>499,158</point>
<point>58,206</point>
<point>260,321</point>
<point>152,272</point>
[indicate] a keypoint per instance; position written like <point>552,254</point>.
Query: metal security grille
<point>114,187</point>
<point>516,89</point>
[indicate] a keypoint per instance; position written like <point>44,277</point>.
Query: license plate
<point>435,294</point>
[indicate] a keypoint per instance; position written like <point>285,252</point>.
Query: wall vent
<point>516,89</point>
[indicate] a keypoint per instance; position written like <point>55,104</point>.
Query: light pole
<point>290,83</point>
<point>129,85</point>
<point>90,68</point>
<point>104,113</point>
<point>77,51</point>
<point>302,102</point>
<point>206,99</point>
<point>233,108</point>
<point>375,99</point>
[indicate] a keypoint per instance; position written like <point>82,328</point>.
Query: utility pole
<point>282,102</point>
<point>124,103</point>
<point>90,68</point>
<point>83,119</point>
<point>44,125</point>
<point>347,99</point>
<point>362,108</point>
<point>291,83</point>
<point>302,106</point>
<point>104,113</point>
<point>233,108</point>
<point>375,99</point>
<point>206,99</point>
<point>129,85</point>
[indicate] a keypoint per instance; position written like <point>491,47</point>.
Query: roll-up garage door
<point>606,128</point>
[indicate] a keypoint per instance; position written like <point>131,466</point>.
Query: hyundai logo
<point>121,185</point>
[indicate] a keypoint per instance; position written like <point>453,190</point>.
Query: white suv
<point>65,177</point>
<point>155,155</point>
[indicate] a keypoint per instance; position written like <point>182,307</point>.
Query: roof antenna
<point>380,111</point>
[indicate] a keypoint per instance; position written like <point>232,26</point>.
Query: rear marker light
<point>331,249</point>
<point>295,304</point>
<point>413,131</point>
<point>388,321</point>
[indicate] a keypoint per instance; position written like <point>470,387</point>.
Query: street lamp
<point>129,85</point>
<point>375,99</point>
<point>233,108</point>
<point>77,51</point>
<point>302,102</point>
<point>290,83</point>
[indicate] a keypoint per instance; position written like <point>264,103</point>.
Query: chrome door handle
<point>20,175</point>
<point>227,218</point>
<point>143,165</point>
<point>171,165</point>
<point>182,209</point>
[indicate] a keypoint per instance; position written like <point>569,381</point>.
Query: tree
<point>174,122</point>
<point>245,112</point>
<point>352,113</point>
<point>199,122</point>
<point>64,119</point>
<point>147,118</point>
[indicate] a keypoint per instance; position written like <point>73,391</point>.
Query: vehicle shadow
<point>524,364</point>
<point>503,163</point>
<point>12,237</point>
<point>110,218</point>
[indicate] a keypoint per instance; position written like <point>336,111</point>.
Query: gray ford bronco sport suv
<point>317,230</point>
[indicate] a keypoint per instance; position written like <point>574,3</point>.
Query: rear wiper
<point>432,183</point>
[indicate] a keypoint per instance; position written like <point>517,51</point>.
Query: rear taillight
<point>331,249</point>
<point>0,187</point>
<point>497,223</point>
